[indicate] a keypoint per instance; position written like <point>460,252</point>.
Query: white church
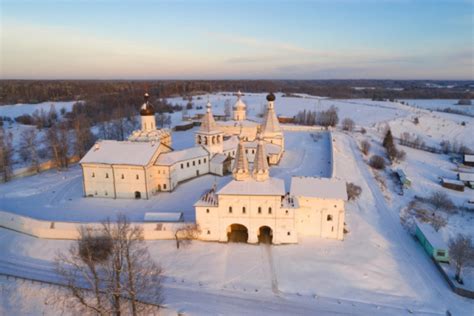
<point>146,163</point>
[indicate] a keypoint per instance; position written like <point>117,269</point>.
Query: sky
<point>106,39</point>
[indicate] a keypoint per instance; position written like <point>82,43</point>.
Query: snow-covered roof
<point>163,217</point>
<point>270,149</point>
<point>173,157</point>
<point>432,235</point>
<point>464,176</point>
<point>469,158</point>
<point>231,143</point>
<point>154,135</point>
<point>451,181</point>
<point>244,123</point>
<point>219,158</point>
<point>272,186</point>
<point>121,153</point>
<point>208,199</point>
<point>323,188</point>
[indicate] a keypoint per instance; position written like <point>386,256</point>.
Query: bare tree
<point>365,147</point>
<point>353,191</point>
<point>84,138</point>
<point>29,148</point>
<point>441,201</point>
<point>6,154</point>
<point>348,124</point>
<point>377,162</point>
<point>186,233</point>
<point>57,140</point>
<point>461,252</point>
<point>108,271</point>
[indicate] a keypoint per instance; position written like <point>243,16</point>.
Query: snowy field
<point>433,104</point>
<point>18,109</point>
<point>58,196</point>
<point>378,269</point>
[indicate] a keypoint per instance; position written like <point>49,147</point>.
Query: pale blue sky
<point>237,39</point>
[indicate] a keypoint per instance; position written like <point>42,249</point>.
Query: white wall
<point>69,230</point>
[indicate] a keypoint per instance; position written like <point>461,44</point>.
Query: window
<point>182,166</point>
<point>259,210</point>
<point>208,232</point>
<point>269,210</point>
<point>199,161</point>
<point>194,163</point>
<point>138,177</point>
<point>286,212</point>
<point>332,228</point>
<point>440,253</point>
<point>329,218</point>
<point>123,177</point>
<point>253,151</point>
<point>204,160</point>
<point>230,209</point>
<point>207,210</point>
<point>164,186</point>
<point>187,164</point>
<point>106,175</point>
<point>288,233</point>
<point>243,210</point>
<point>93,175</point>
<point>106,193</point>
<point>246,151</point>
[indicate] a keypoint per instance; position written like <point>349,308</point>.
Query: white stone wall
<point>320,217</point>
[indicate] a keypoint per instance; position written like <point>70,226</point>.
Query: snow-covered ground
<point>54,195</point>
<point>378,269</point>
<point>18,109</point>
<point>435,104</point>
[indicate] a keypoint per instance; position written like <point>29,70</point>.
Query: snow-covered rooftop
<point>269,147</point>
<point>163,217</point>
<point>272,186</point>
<point>121,153</point>
<point>432,235</point>
<point>464,176</point>
<point>323,188</point>
<point>452,181</point>
<point>218,158</point>
<point>469,158</point>
<point>231,143</point>
<point>172,157</point>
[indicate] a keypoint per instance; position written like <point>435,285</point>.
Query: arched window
<point>230,209</point>
<point>93,174</point>
<point>259,210</point>
<point>138,177</point>
<point>123,177</point>
<point>243,209</point>
<point>106,175</point>
<point>269,210</point>
<point>329,218</point>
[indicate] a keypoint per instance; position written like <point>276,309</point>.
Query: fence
<point>69,230</point>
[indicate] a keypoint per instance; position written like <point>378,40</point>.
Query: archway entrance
<point>265,235</point>
<point>237,233</point>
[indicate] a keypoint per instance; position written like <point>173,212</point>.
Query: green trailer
<point>431,241</point>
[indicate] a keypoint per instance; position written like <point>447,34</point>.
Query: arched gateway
<point>265,235</point>
<point>237,233</point>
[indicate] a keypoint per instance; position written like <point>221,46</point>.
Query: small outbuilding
<point>452,184</point>
<point>467,178</point>
<point>403,178</point>
<point>468,160</point>
<point>431,241</point>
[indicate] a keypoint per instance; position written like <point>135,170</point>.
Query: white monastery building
<point>146,163</point>
<point>254,207</point>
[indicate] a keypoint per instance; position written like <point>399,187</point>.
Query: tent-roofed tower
<point>240,108</point>
<point>240,170</point>
<point>260,164</point>
<point>271,130</point>
<point>208,135</point>
<point>147,115</point>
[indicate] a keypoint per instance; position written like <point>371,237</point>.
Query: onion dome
<point>271,97</point>
<point>147,109</point>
